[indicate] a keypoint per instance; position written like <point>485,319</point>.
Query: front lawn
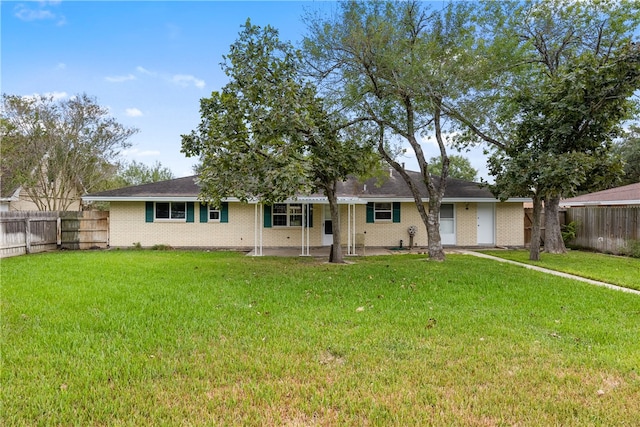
<point>617,270</point>
<point>193,338</point>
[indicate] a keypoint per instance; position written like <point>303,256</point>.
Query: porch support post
<point>304,249</point>
<point>257,230</point>
<point>353,230</point>
<point>260,227</point>
<point>302,229</point>
<point>308,231</point>
<point>349,229</point>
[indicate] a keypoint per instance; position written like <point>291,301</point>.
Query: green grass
<point>617,270</point>
<point>192,338</point>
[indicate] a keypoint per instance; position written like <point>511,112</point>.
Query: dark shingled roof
<point>390,186</point>
<point>179,187</point>
<point>394,186</point>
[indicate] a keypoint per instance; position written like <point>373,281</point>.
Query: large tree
<point>581,72</point>
<point>267,134</point>
<point>401,67</point>
<point>59,149</point>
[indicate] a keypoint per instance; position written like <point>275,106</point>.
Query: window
<point>214,214</point>
<point>171,210</point>
<point>447,225</point>
<point>382,211</point>
<point>285,215</point>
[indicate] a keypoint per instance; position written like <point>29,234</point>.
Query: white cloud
<point>120,79</point>
<point>186,80</point>
<point>38,12</point>
<point>133,112</point>
<point>143,70</point>
<point>56,96</point>
<point>134,152</point>
<point>61,66</point>
<point>183,80</point>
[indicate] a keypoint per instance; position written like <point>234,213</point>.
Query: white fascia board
<point>150,199</point>
<point>448,200</point>
<point>322,200</point>
<point>485,200</point>
<point>389,199</point>
<point>602,203</point>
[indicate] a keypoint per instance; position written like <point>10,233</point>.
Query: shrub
<point>569,232</point>
<point>632,248</point>
<point>161,247</point>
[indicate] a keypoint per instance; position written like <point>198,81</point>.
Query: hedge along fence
<point>23,232</point>
<point>607,229</point>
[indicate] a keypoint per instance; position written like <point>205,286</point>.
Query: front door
<point>327,227</point>
<point>486,224</point>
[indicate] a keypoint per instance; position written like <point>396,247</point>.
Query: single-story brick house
<point>375,213</point>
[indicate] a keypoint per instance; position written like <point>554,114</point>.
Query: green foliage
<point>628,149</point>
<point>137,246</point>
<point>569,232</point>
<point>161,247</point>
<point>459,167</point>
<point>178,337</point>
<point>267,133</point>
<point>574,91</point>
<point>136,173</point>
<point>59,149</point>
<point>632,248</point>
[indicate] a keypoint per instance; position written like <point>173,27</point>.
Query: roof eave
<point>601,203</point>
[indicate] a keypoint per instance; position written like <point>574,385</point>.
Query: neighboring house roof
<point>625,195</point>
<point>391,187</point>
<point>9,191</point>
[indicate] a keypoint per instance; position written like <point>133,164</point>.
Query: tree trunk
<point>336,249</point>
<point>553,242</point>
<point>434,246</point>
<point>534,247</point>
<point>430,219</point>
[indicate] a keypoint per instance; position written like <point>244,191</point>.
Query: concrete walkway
<point>546,270</point>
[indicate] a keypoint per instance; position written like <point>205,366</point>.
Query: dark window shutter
<point>204,212</point>
<point>190,212</point>
<point>267,216</point>
<point>396,211</point>
<point>310,219</point>
<point>370,212</point>
<point>148,212</point>
<point>224,212</point>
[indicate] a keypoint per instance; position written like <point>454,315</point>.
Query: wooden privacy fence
<point>528,224</point>
<point>24,232</point>
<point>605,228</point>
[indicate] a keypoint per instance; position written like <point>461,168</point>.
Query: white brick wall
<point>510,224</point>
<point>128,226</point>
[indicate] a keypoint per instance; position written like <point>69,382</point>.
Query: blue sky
<point>149,62</point>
